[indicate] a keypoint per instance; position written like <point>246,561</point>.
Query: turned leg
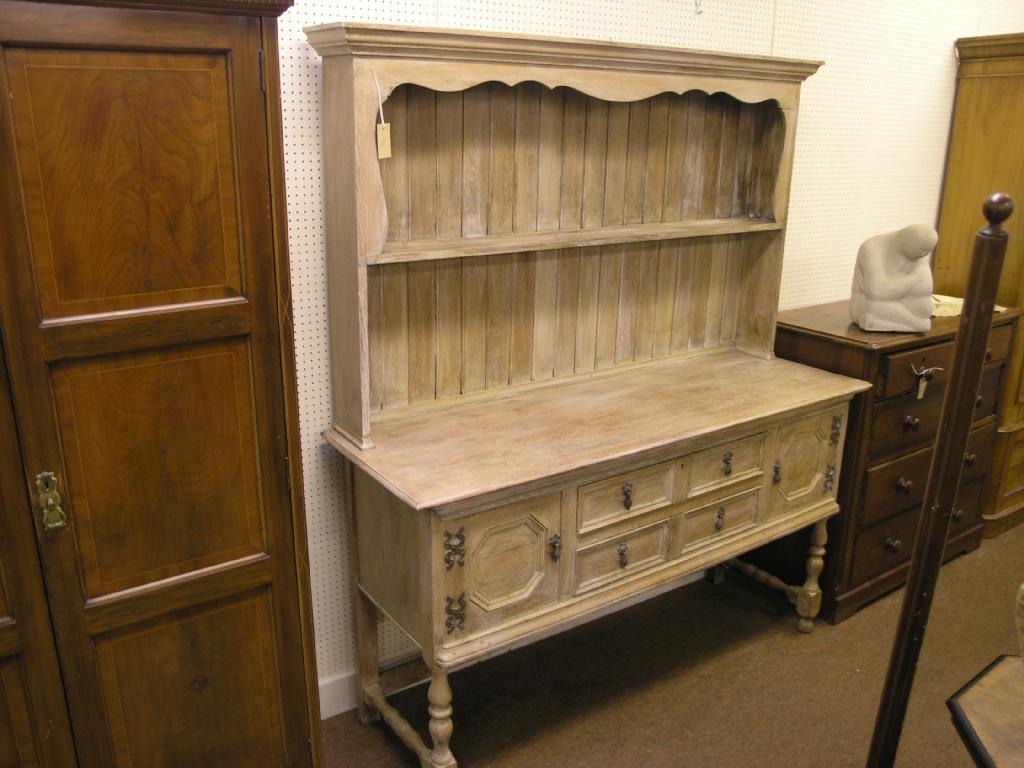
<point>367,654</point>
<point>808,599</point>
<point>440,697</point>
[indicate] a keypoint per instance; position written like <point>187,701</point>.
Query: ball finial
<point>997,208</point>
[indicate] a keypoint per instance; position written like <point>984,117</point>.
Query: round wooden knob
<point>893,544</point>
<point>903,485</point>
<point>958,515</point>
<point>980,401</point>
<point>970,459</point>
<point>911,422</point>
<point>997,208</point>
<point>988,355</point>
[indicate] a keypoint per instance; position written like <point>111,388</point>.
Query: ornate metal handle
<point>903,485</point>
<point>777,473</point>
<point>49,502</point>
<point>911,423</point>
<point>727,461</point>
<point>830,478</point>
<point>555,546</point>
<point>837,429</point>
<point>627,495</point>
<point>893,544</point>
<point>970,459</point>
<point>455,613</point>
<point>958,515</point>
<point>623,554</point>
<point>454,548</point>
<point>720,519</point>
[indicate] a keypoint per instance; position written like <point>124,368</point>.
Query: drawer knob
<point>958,515</point>
<point>727,461</point>
<point>893,544</point>
<point>555,547</point>
<point>970,459</point>
<point>720,519</point>
<point>777,473</point>
<point>627,495</point>
<point>911,423</point>
<point>623,554</point>
<point>903,485</point>
<point>979,402</point>
<point>988,354</point>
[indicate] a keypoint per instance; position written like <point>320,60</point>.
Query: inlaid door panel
<point>173,431</point>
<point>807,461</point>
<point>128,177</point>
<point>140,307</point>
<point>196,690</point>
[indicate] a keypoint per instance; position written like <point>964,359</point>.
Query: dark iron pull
<point>911,423</point>
<point>623,554</point>
<point>727,461</point>
<point>627,495</point>
<point>903,485</point>
<point>893,544</point>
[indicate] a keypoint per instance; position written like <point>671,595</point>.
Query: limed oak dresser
<point>553,273</point>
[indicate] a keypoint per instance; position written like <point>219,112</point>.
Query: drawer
<point>882,547</point>
<point>978,455</point>
<point>724,464</point>
<point>967,510</point>
<point>1000,340</point>
<point>612,559</point>
<point>897,369</point>
<point>904,423</point>
<point>721,518</point>
<point>627,495</point>
<point>988,393</point>
<point>896,485</point>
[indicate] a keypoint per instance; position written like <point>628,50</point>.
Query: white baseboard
<point>337,694</point>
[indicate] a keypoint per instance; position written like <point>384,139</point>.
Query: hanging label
<point>383,140</point>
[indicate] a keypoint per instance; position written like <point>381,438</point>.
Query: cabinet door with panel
<point>806,461</point>
<point>140,310</point>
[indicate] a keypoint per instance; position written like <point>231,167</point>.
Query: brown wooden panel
<point>17,746</point>
<point>128,177</point>
<point>161,455</point>
<point>195,689</point>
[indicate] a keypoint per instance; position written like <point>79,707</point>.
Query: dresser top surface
<point>493,449</point>
<point>833,320</point>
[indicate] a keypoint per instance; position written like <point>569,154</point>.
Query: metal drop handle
<point>627,495</point>
<point>720,519</point>
<point>49,502</point>
<point>623,551</point>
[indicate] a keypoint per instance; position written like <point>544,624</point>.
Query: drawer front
<point>895,486</point>
<point>1000,341</point>
<point>884,546</point>
<point>613,559</point>
<point>720,519</point>
<point>724,464</point>
<point>988,394</point>
<point>967,511</point>
<point>978,455</point>
<point>904,422</point>
<point>627,495</point>
<point>898,368</point>
<point>505,566</point>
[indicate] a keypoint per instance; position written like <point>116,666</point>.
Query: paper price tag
<point>383,140</point>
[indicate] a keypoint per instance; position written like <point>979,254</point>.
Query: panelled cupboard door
<point>139,309</point>
<point>34,728</point>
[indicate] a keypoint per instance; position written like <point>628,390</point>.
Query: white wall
<point>869,157</point>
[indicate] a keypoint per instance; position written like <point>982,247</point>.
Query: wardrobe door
<point>140,310</point>
<point>34,729</point>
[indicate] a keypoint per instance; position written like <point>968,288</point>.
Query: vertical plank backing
<point>476,143</point>
<point>550,153</point>
<point>545,320</point>
<point>636,161</point>
<point>394,171</point>
<point>474,323</point>
<point>422,311</point>
<point>574,138</point>
<point>682,309</point>
<point>499,318</point>
<point>693,158</point>
<point>421,145</point>
<point>586,324</point>
<point>594,163</point>
<point>523,320</point>
<point>676,169</point>
<point>700,279</point>
<point>745,152</point>
<point>450,155</point>
<point>395,334</point>
<point>665,298</point>
<point>527,150</point>
<point>567,311</point>
<point>503,167</point>
<point>653,209</point>
<point>713,124</point>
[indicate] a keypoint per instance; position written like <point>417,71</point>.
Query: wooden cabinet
<point>144,312</point>
<point>989,91</point>
<point>553,301</point>
<point>890,444</point>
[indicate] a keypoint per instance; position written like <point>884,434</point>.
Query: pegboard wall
<point>869,158</point>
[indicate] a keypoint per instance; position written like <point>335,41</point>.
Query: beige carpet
<point>716,676</point>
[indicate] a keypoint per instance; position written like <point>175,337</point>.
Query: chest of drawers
<point>890,444</point>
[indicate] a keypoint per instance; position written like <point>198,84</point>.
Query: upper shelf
<point>457,247</point>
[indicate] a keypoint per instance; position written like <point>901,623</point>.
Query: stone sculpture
<point>892,282</point>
